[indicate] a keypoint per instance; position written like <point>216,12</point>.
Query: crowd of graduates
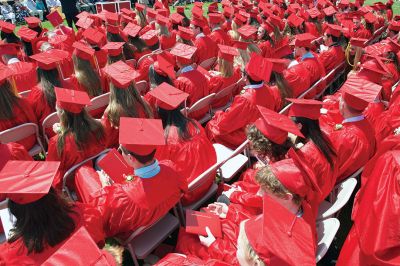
<point>271,53</point>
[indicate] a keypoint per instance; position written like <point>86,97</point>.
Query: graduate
<point>79,136</point>
<point>167,38</point>
<point>150,193</point>
<point>218,35</point>
<point>334,55</point>
<point>14,110</point>
<point>185,140</point>
<point>114,52</point>
<point>44,220</point>
<point>228,127</point>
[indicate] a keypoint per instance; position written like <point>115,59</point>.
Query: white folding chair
<point>208,63</point>
<point>48,122</point>
<point>98,102</point>
<point>343,192</point>
<point>3,206</point>
<point>200,105</point>
<point>232,160</point>
<point>326,231</point>
<point>23,131</point>
<point>142,58</point>
<point>25,94</point>
<point>228,91</point>
<point>141,87</point>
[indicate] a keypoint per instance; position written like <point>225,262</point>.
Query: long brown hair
<point>225,67</point>
<point>125,103</point>
<point>8,99</point>
<point>82,126</point>
<point>87,76</point>
<point>46,221</point>
<point>48,80</point>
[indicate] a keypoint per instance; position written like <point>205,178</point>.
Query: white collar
<point>216,28</point>
<point>255,86</point>
<point>186,69</point>
<point>200,35</point>
<point>353,119</point>
<point>13,61</point>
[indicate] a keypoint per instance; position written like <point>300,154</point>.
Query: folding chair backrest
<point>225,92</point>
<point>198,181</point>
<point>202,103</point>
<point>48,122</point>
<point>326,231</point>
<point>342,193</point>
<point>141,87</point>
<point>98,102</point>
<point>19,132</point>
<point>142,58</point>
<point>208,63</point>
<point>25,94</point>
<point>124,4</point>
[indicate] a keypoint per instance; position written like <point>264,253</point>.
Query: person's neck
<point>139,165</point>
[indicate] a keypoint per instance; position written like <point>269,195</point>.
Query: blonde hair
<point>225,68</point>
<point>234,31</point>
<point>268,181</point>
<point>141,18</point>
<point>162,29</point>
<point>249,253</point>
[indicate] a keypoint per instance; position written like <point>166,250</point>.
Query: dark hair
<point>330,19</point>
<point>254,22</point>
<point>38,29</point>
<point>268,38</point>
<point>82,126</point>
<point>252,81</point>
<point>284,88</point>
<point>311,129</point>
<point>185,22</point>
<point>87,76</point>
<point>9,37</point>
<point>8,99</point>
<point>369,27</point>
<point>114,59</point>
<point>176,118</point>
<point>141,158</point>
<point>157,79</point>
<point>48,80</point>
<point>392,56</point>
<point>125,103</point>
<point>46,221</point>
<point>317,24</point>
<point>139,44</point>
<point>126,49</point>
<point>27,48</point>
<point>155,46</point>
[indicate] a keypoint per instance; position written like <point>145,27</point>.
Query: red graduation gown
<point>218,83</point>
<point>24,74</point>
<point>194,83</point>
<point>228,127</point>
<point>167,42</point>
<point>71,154</point>
<point>198,150</point>
<point>175,259</point>
<point>206,48</point>
<point>387,122</point>
<point>39,105</point>
<point>332,57</point>
<point>220,36</point>
<point>266,49</point>
<point>140,202</point>
<point>312,29</point>
<point>13,151</point>
<point>354,145</point>
<point>374,237</point>
<point>85,215</point>
<point>298,78</point>
<point>23,113</point>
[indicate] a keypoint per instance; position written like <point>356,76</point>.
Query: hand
<point>219,208</point>
<point>57,128</point>
<point>207,240</point>
<point>104,179</point>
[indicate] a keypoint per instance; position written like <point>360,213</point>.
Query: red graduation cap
<point>158,5</point>
<point>84,22</point>
<point>33,22</point>
<point>199,22</point>
<point>151,13</point>
<point>164,65</point>
<point>225,3</point>
<point>240,45</point>
<point>258,68</point>
<point>83,14</point>
<point>370,18</point>
<point>279,65</point>
<point>294,20</point>
<point>394,45</point>
<point>227,52</point>
<point>358,92</point>
<point>55,18</point>
<point>150,37</point>
<point>213,8</point>
<point>314,12</point>
<point>329,11</point>
<point>239,19</point>
<point>215,18</point>
<point>282,51</point>
<point>120,74</point>
<point>27,34</point>
<point>228,11</point>
<point>113,48</point>
<point>276,226</point>
<point>79,249</point>
<point>27,181</point>
<point>394,25</point>
<point>48,60</point>
<point>275,21</point>
<point>176,18</point>
<point>185,33</point>
<point>94,36</point>
<point>128,12</point>
<point>168,97</point>
<point>83,51</point>
<point>5,73</point>
<point>112,29</point>
<point>6,27</point>
<point>71,100</point>
<point>163,12</point>
<point>334,30</point>
<point>304,40</point>
<point>305,108</point>
<point>132,30</point>
<point>183,52</point>
<point>139,7</point>
<point>198,4</point>
<point>112,18</point>
<point>358,42</point>
<point>180,9</point>
<point>141,136</point>
<point>162,20</point>
<point>275,127</point>
<point>344,3</point>
<point>9,48</point>
<point>247,31</point>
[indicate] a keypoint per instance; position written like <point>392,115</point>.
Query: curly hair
<point>264,146</point>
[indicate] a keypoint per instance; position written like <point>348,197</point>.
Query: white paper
<point>7,221</point>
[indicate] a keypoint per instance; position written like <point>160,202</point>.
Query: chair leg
<point>133,255</point>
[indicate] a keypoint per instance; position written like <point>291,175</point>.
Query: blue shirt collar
<point>186,69</point>
<point>148,171</point>
<point>307,55</point>
<point>353,119</point>
<point>256,86</point>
